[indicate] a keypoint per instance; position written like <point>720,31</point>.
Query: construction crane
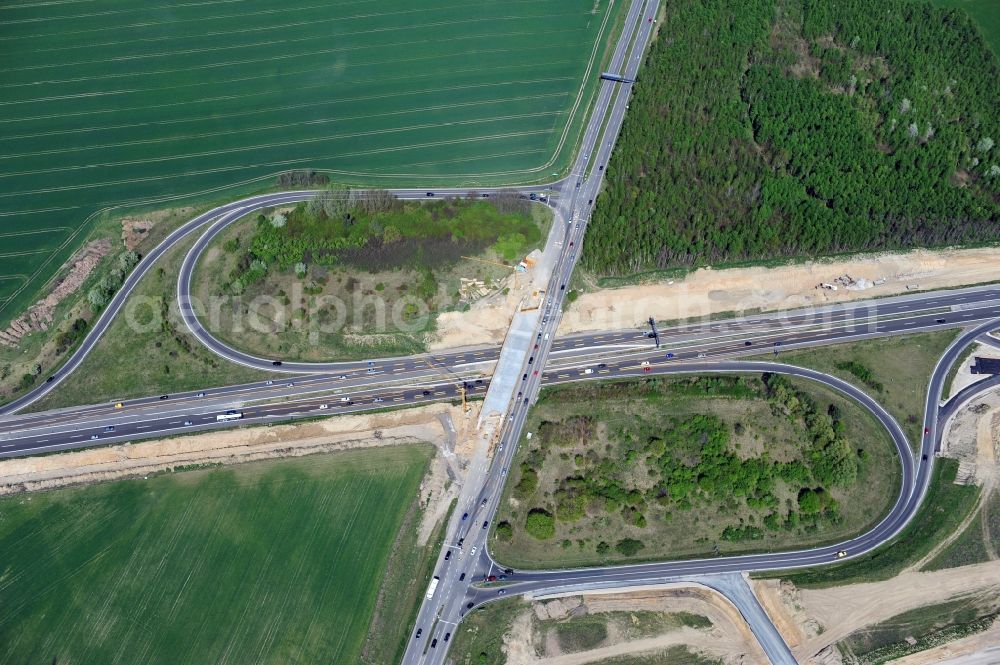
<point>492,263</point>
<point>460,385</point>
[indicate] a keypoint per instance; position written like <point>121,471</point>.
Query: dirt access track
<point>708,291</point>
<point>813,620</point>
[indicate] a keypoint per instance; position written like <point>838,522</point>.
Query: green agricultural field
<point>109,103</point>
<point>274,562</point>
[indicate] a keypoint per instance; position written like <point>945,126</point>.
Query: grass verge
<point>147,349</point>
<point>478,640</point>
<point>408,572</point>
<point>899,368</point>
<point>46,351</point>
<point>971,545</point>
<point>944,508</point>
<point>677,655</point>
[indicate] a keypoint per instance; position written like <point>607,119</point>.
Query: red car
<point>647,369</point>
<point>927,430</point>
<point>535,373</point>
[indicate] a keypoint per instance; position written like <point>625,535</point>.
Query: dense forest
<point>787,128</point>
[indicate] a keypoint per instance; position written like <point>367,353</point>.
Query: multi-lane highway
<point>226,213</point>
<point>915,480</point>
<point>396,381</point>
<point>302,390</point>
<point>442,611</point>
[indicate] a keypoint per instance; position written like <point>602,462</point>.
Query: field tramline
<point>111,106</point>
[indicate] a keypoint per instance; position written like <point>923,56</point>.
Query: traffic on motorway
<point>371,386</point>
<point>465,575</point>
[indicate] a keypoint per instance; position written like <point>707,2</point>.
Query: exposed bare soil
<point>813,620</point>
<point>978,649</point>
<point>708,291</point>
<point>38,317</point>
<point>972,437</point>
<point>421,424</point>
<point>729,638</point>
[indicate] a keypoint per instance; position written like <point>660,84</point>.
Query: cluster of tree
<point>863,373</point>
<point>891,146</point>
<point>28,378</point>
<point>692,463</point>
<point>100,294</point>
<point>625,547</point>
<point>540,524</point>
<point>832,460</point>
<point>302,179</point>
<point>373,229</point>
<point>505,531</point>
<point>71,335</point>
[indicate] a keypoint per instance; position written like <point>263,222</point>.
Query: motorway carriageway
<point>405,381</point>
<point>238,209</point>
<point>915,478</point>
